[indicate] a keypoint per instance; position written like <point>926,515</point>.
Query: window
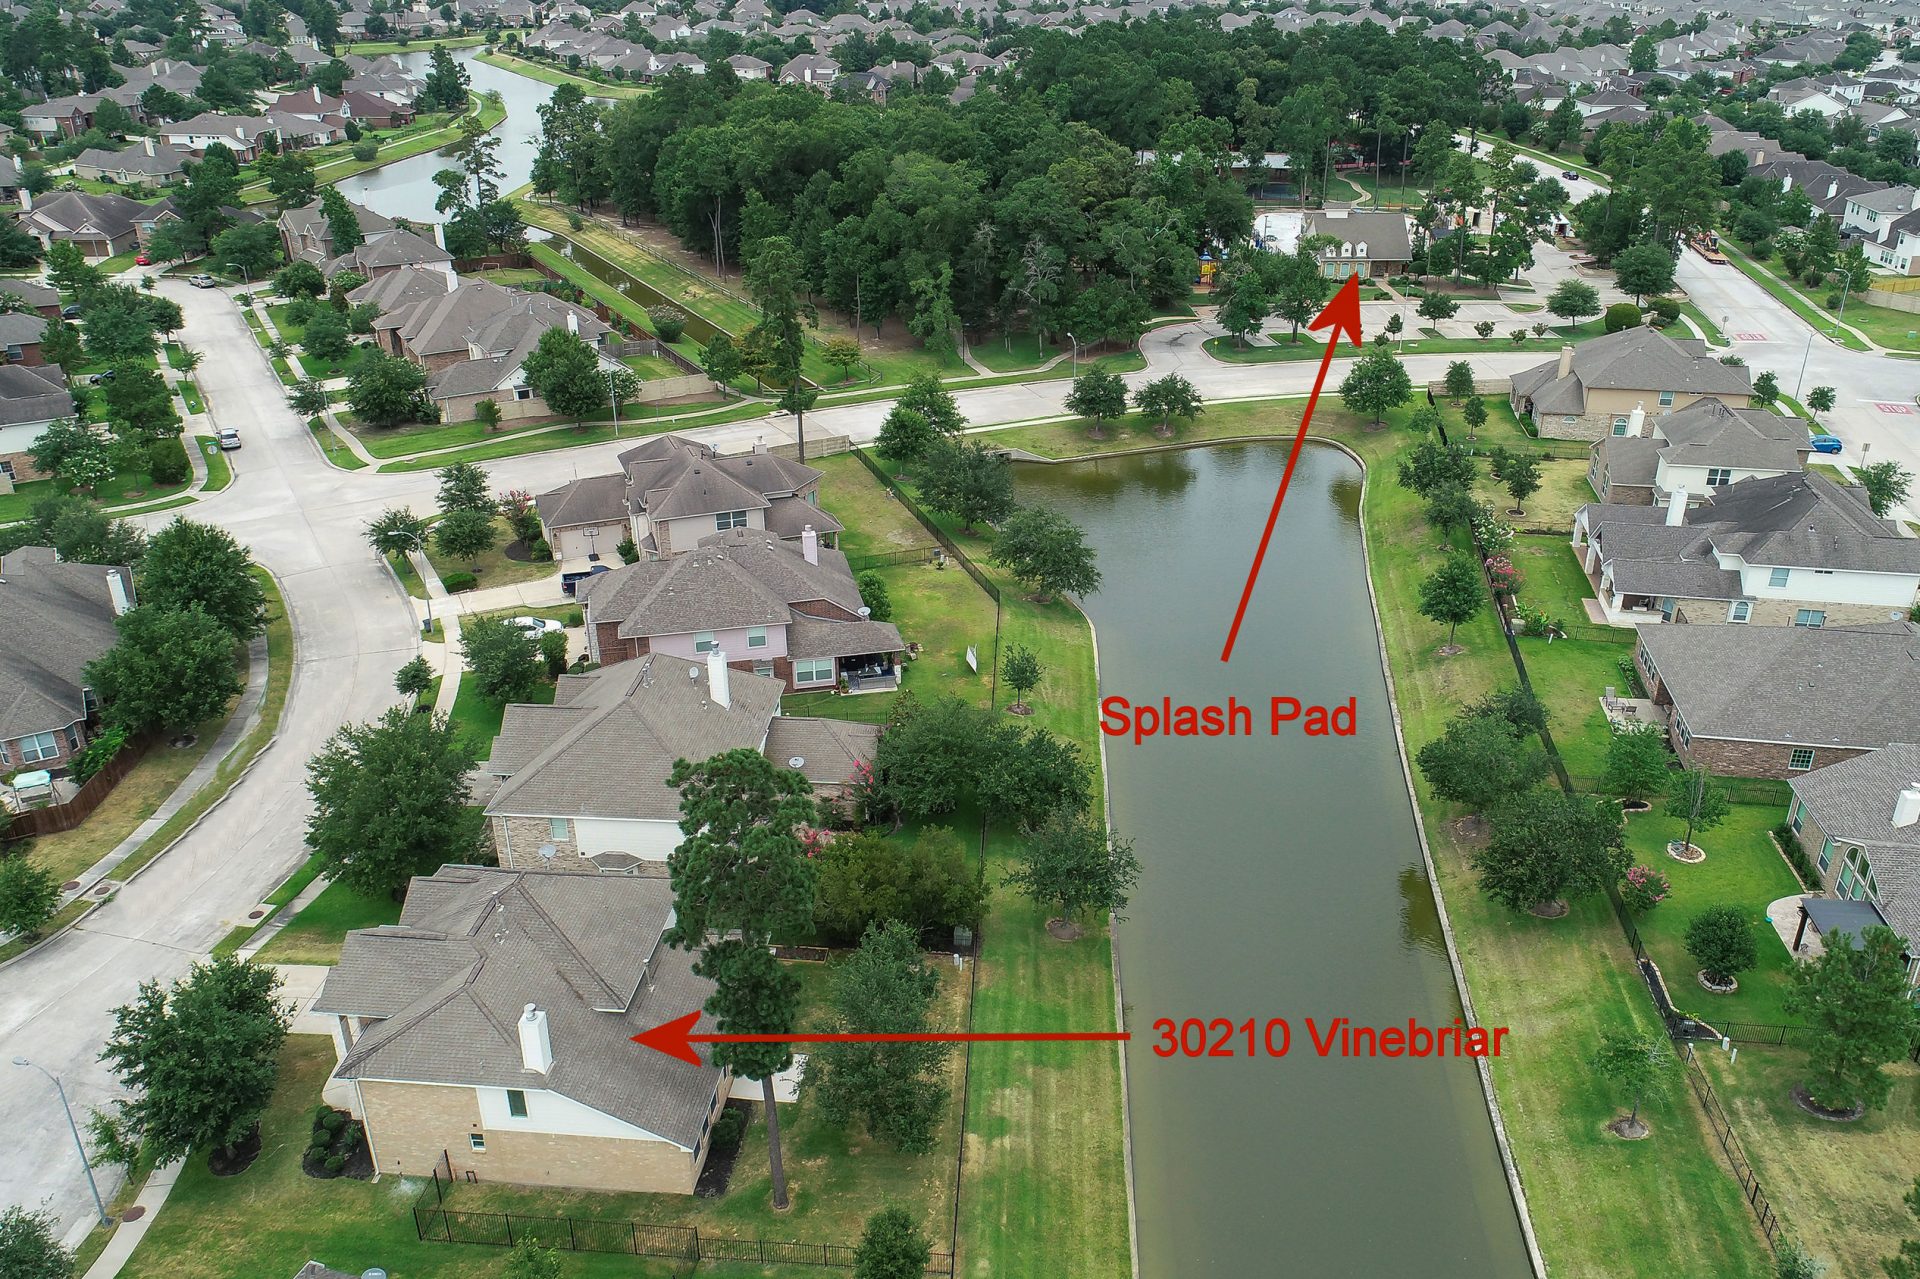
<point>1845,883</point>
<point>73,738</point>
<point>1719,476</point>
<point>6,756</point>
<point>1798,815</point>
<point>1646,664</point>
<point>763,668</point>
<point>477,1141</point>
<point>1620,424</point>
<point>756,637</point>
<point>558,828</point>
<point>730,519</point>
<point>1814,617</point>
<point>39,747</point>
<point>1740,612</point>
<point>523,393</point>
<point>6,469</point>
<point>704,642</point>
<point>1686,734</point>
<point>1666,399</point>
<point>1779,576</point>
<point>816,670</point>
<point>1801,760</point>
<point>1826,856</point>
<point>517,1103</point>
<point>1570,420</point>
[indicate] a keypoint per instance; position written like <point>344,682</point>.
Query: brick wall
<point>1731,758</point>
<point>518,841</point>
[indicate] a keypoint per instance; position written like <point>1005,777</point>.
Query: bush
<point>458,581</point>
<point>1833,301</point>
<point>97,754</point>
<point>729,1128</point>
<point>573,617</point>
<point>335,1163</point>
<point>1720,939</point>
<point>1622,315</point>
<point>669,322</point>
<point>366,149</point>
<point>574,220</point>
<point>318,1154</point>
<point>1813,277</point>
<point>1644,888</point>
<point>167,461</point>
<point>299,312</point>
<point>333,1121</point>
<point>1797,857</point>
<point>539,552</point>
<point>1665,311</point>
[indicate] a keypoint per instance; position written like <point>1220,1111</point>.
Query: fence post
<point>507,1217</point>
<point>573,1239</point>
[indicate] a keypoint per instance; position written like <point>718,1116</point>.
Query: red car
<point>143,260</point>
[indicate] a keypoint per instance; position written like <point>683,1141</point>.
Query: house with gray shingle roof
<point>102,225</point>
<point>32,397</point>
<point>1703,447</point>
<point>1779,701</point>
<point>1858,821</point>
<point>1791,550</point>
<point>1592,388</point>
<point>793,612</point>
<point>55,617</point>
<point>494,1023</point>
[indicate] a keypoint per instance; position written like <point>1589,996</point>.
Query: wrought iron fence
<point>1730,1146</point>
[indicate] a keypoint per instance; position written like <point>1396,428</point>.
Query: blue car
<point>1827,444</point>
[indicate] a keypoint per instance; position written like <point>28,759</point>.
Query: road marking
<point>1889,406</point>
<point>1749,337</point>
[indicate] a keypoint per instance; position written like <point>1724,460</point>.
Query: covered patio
<point>1819,918</point>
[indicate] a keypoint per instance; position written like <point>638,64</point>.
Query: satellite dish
<point>548,852</point>
<point>865,611</point>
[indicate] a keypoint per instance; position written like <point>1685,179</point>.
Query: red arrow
<point>676,1038</point>
<point>1342,315</point>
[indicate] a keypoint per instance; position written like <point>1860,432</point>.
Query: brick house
<point>465,323</point>
<point>789,611</point>
<point>1794,549</point>
<point>1778,701</point>
<point>21,333</point>
<point>583,782</point>
<point>494,1023</point>
<point>305,235</point>
<point>102,225</point>
<point>32,398</point>
<point>1858,822</point>
<point>1703,447</point>
<point>55,617</point>
<point>1592,390</point>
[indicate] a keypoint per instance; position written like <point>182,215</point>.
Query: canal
<point>1281,878</point>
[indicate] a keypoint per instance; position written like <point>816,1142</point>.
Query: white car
<point>535,625</point>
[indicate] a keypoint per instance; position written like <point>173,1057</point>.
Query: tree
<point>343,224</point>
<point>1821,399</point>
<point>1459,380</point>
<point>1629,1060</point>
<point>197,566</point>
<point>721,360</point>
<point>1548,845</point>
<point>1766,388</point>
<point>325,337</point>
<point>1476,414</point>
<point>1520,472</point>
<point>61,345</point>
<point>1574,300</point>
<point>1295,286</point>
<point>73,453</point>
<point>968,481</point>
<point>1436,307</point>
<point>252,247</point>
<point>396,531</point>
<point>68,269</point>
<point>740,876</point>
<point>565,372</point>
<point>891,1247</point>
<point>1021,671</point>
<point>1856,999</point>
<point>290,180</point>
<point>1022,776</point>
<point>309,398</point>
<point>926,883</point>
<point>413,678</point>
<point>1696,797</point>
<point>529,1260</point>
<point>904,435</point>
<point>445,88</point>
<point>894,1091</point>
<point>1376,383</point>
<point>503,658</point>
<point>168,670</point>
<point>1073,863</point>
<point>1451,508</point>
<point>389,801</point>
<point>1453,593</point>
<point>464,487</point>
<point>1168,398</point>
<point>1643,270</point>
<point>386,390</point>
<point>139,403</point>
<point>1636,762</point>
<point>843,353</point>
<point>117,327</point>
<point>1432,466</point>
<point>29,894</point>
<point>29,1249</point>
<point>465,535</point>
<point>1886,483</point>
<point>200,1057</point>
<point>1720,939</point>
<point>1904,1266</point>
<point>1099,395</point>
<point>1048,553</point>
<point>1480,760</point>
<point>926,396</point>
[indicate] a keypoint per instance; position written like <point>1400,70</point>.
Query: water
<point>1282,878</point>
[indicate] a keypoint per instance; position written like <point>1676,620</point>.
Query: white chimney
<point>1906,809</point>
<point>147,145</point>
<point>440,234</point>
<point>1677,508</point>
<point>1637,420</point>
<point>1566,361</point>
<point>809,545</point>
<point>536,1045</point>
<point>117,592</point>
<point>717,686</point>
<point>573,321</point>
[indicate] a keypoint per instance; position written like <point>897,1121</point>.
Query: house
<point>1591,390</point>
<point>1791,550</point>
<point>497,351</point>
<point>21,333</point>
<point>41,299</point>
<point>748,67</point>
<point>102,225</point>
<point>1776,701</point>
<point>55,617</point>
<point>11,180</point>
<point>32,398</point>
<point>780,609</point>
<point>479,320</point>
<point>674,493</point>
<point>393,249</point>
<point>239,134</point>
<point>305,235</point>
<point>1369,244</point>
<point>494,1024</point>
<point>815,70</point>
<point>583,782</point>
<point>1703,447</point>
<point>1886,226</point>
<point>1858,821</point>
<point>64,117</point>
<point>397,289</point>
<point>148,164</point>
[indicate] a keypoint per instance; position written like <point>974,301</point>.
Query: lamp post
<point>74,1128</point>
<point>1076,353</point>
<point>1804,357</point>
<point>245,274</point>
<point>613,396</point>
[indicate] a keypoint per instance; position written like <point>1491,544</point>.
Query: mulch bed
<point>1063,930</point>
<point>1626,1130</point>
<point>1692,854</point>
<point>1733,984</point>
<point>1818,1111</point>
<point>517,550</point>
<point>231,1163</point>
<point>1548,910</point>
<point>718,1170</point>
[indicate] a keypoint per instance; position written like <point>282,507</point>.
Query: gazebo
<point>1827,915</point>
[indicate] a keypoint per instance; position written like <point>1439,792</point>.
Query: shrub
<point>318,1152</point>
<point>1644,888</point>
<point>335,1163</point>
<point>1813,277</point>
<point>97,754</point>
<point>458,581</point>
<point>669,322</point>
<point>1622,315</point>
<point>167,461</point>
<point>1519,336</point>
<point>1665,311</point>
<point>574,220</point>
<point>366,149</point>
<point>573,617</point>
<point>1833,301</point>
<point>1797,857</point>
<point>299,312</point>
<point>538,551</point>
<point>729,1128</point>
<point>1720,939</point>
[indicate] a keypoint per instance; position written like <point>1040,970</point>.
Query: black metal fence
<point>887,559</point>
<point>1730,1146</point>
<point>926,521</point>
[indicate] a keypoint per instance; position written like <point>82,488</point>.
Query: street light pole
<point>73,1127</point>
<point>1076,353</point>
<point>1804,357</point>
<point>245,274</point>
<point>614,397</point>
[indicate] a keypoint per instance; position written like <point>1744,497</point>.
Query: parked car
<point>202,281</point>
<point>228,438</point>
<point>1570,175</point>
<point>100,379</point>
<point>142,259</point>
<point>535,625</point>
<point>1827,444</point>
<point>71,311</point>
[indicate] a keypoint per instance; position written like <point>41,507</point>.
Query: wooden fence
<point>55,818</point>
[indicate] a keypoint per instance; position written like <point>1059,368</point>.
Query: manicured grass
<point>478,716</point>
<point>1743,868</point>
<point>649,367</point>
<point>1563,490</point>
<point>493,568</point>
<point>1570,676</point>
<point>139,793</point>
<point>1792,298</point>
<point>219,470</point>
<point>515,445</point>
<point>1551,581</point>
<point>1010,353</point>
<point>403,569</point>
<point>124,488</point>
<point>1707,326</point>
<point>553,75</point>
<point>336,452</point>
<point>190,396</point>
<point>509,277</point>
<point>289,889</point>
<point>315,934</point>
<point>335,161</point>
<point>373,48</point>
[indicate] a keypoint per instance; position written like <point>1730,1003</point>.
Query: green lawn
<point>1792,298</point>
<point>125,488</point>
<point>1310,347</point>
<point>493,568</point>
<point>219,470</point>
<point>1570,677</point>
<point>336,452</point>
<point>1563,490</point>
<point>335,161</point>
<point>556,76</point>
<point>315,934</point>
<point>1551,580</point>
<point>478,716</point>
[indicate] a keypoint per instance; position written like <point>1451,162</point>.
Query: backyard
<point>496,567</point>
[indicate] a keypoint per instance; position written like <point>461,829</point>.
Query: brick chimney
<point>1566,361</point>
<point>536,1042</point>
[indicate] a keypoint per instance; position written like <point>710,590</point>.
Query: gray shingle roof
<point>662,483</point>
<point>1636,359</point>
<point>1852,801</point>
<point>21,328</point>
<point>475,945</point>
<point>33,393</point>
<point>597,499</point>
<point>829,750</point>
<point>1384,234</point>
<point>1708,433</point>
<point>54,618</point>
<point>818,637</point>
<point>1832,686</point>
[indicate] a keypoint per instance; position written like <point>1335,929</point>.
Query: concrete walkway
<point>127,1236</point>
<point>282,917</point>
